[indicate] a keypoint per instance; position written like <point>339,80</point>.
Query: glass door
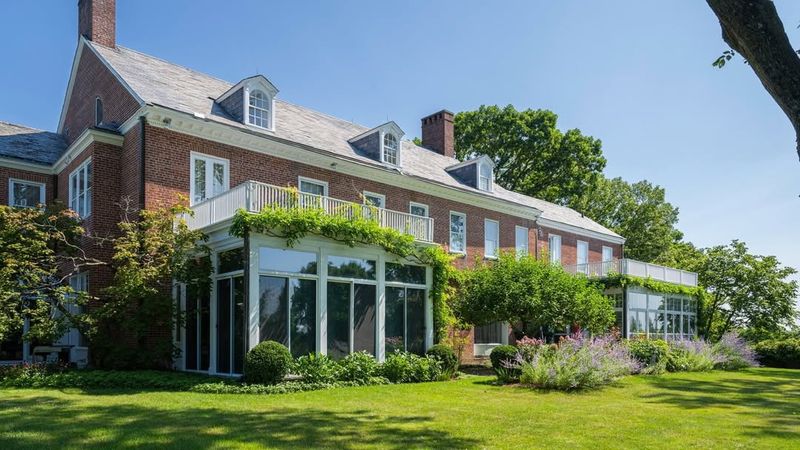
<point>230,325</point>
<point>351,318</point>
<point>198,331</point>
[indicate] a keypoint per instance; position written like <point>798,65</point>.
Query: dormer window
<point>390,149</point>
<point>484,177</point>
<point>258,113</point>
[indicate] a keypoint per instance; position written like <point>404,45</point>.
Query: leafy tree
<point>532,294</point>
<point>746,291</point>
<point>531,155</point>
<point>753,29</point>
<point>637,211</point>
<point>152,254</point>
<point>682,255</point>
<point>39,251</point>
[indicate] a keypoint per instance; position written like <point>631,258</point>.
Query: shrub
<point>503,354</point>
<point>404,367</point>
<point>779,353</point>
<point>576,363</point>
<point>734,353</point>
<point>267,363</point>
<point>691,356</point>
<point>59,377</point>
<point>314,368</point>
<point>446,357</point>
<point>651,354</point>
<point>358,367</point>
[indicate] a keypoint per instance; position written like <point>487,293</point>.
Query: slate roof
<point>29,144</point>
<point>162,83</point>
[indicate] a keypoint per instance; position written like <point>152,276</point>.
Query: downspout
<point>142,123</point>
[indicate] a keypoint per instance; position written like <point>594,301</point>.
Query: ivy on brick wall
<point>352,227</point>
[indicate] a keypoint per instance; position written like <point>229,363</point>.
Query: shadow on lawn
<point>61,422</point>
<point>775,392</point>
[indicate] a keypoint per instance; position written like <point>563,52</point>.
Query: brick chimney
<point>437,133</point>
<point>97,21</point>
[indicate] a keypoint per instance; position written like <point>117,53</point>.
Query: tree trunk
<point>754,29</point>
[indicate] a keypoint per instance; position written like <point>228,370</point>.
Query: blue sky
<point>636,74</point>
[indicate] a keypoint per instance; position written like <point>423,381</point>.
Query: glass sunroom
<point>318,296</point>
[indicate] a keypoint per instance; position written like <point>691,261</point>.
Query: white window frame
<point>13,181</point>
<point>450,232</point>
<point>384,148</point>
<point>487,239</point>
<point>488,179</point>
<point>376,195</point>
<point>84,210</point>
<point>554,250</point>
<point>209,160</point>
<point>585,263</point>
<point>525,250</point>
<point>270,110</point>
<point>324,184</point>
<point>610,250</point>
<point>419,205</point>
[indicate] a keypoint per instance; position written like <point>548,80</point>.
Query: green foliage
<point>267,363</point>
<point>446,357</point>
<point>652,354</point>
<point>638,211</point>
<point>533,292</point>
<point>746,291</point>
<point>152,253</point>
<point>358,367</point>
<point>779,352</point>
<point>532,156</point>
<point>352,227</point>
<point>404,367</point>
<point>39,250</point>
<point>286,387</point>
<point>690,356</point>
<point>617,280</point>
<point>502,354</point>
<point>315,368</point>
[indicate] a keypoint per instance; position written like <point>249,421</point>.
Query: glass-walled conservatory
<point>641,312</point>
<point>318,296</point>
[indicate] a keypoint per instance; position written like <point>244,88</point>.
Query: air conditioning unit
<point>79,356</point>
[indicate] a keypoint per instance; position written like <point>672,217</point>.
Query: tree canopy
<point>531,155</point>
<point>532,294</point>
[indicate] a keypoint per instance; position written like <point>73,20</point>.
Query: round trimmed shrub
<point>267,363</point>
<point>501,354</point>
<point>446,357</point>
<point>779,353</point>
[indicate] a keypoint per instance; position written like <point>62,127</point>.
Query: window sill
<point>490,257</point>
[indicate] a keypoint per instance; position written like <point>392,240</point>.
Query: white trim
<point>390,126</point>
<point>482,158</point>
<point>450,233</point>
<point>578,245</point>
<point>602,254</point>
<point>490,183</point>
<point>397,143</point>
<point>419,205</point>
<point>209,186</point>
<point>270,112</point>
<point>86,138</point>
<point>249,81</point>
<point>324,184</point>
<point>25,165</point>
<point>497,238</point>
<point>12,181</point>
<point>87,189</point>
<point>376,195</point>
<point>580,231</point>
<point>527,232</point>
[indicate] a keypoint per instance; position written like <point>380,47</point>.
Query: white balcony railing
<point>635,268</point>
<point>254,197</point>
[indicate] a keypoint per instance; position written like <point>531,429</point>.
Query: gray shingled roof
<point>29,144</point>
<point>162,83</point>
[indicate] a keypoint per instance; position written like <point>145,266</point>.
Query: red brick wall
<point>7,173</point>
<point>93,80</point>
<point>97,21</point>
<point>569,246</point>
<point>167,177</point>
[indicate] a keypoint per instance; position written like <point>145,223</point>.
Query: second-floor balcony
<point>635,268</point>
<point>255,197</point>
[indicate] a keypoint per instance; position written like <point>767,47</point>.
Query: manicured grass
<point>758,408</point>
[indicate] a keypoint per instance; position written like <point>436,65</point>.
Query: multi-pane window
<point>521,240</point>
<point>583,256</point>
<point>657,315</point>
<point>390,149</point>
<point>608,260</point>
<point>259,109</point>
<point>491,238</point>
<point>458,232</point>
<point>315,187</point>
<point>80,190</point>
<point>490,334</point>
<point>209,177</point>
<point>405,308</point>
<point>554,244</point>
<point>484,177</point>
<point>373,199</point>
<point>418,209</point>
<point>25,193</point>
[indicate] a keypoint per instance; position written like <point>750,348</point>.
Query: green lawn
<point>759,408</point>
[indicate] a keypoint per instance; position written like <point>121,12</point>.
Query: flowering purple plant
<point>734,353</point>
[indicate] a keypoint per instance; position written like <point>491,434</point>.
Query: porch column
<point>254,306</point>
<point>212,317</point>
<point>380,314</point>
<point>26,344</point>
<point>322,302</point>
<point>428,308</point>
